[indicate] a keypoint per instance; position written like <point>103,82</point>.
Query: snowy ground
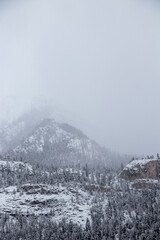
<point>61,202</point>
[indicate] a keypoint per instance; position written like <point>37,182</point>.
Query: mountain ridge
<point>35,137</point>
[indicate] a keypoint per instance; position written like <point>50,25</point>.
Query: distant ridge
<point>37,139</point>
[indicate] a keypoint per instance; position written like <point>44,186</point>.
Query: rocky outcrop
<point>144,184</point>
<point>142,173</point>
<point>141,169</point>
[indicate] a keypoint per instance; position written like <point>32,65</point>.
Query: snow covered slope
<point>36,139</point>
<point>60,144</point>
<point>59,202</point>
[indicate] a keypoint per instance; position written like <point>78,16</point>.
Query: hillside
<point>47,200</point>
<point>73,203</point>
<point>43,140</point>
<point>59,144</point>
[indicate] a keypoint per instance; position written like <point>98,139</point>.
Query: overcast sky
<point>97,59</point>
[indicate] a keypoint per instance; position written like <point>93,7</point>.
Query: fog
<point>95,61</point>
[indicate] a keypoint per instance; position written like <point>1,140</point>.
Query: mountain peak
<point>59,143</point>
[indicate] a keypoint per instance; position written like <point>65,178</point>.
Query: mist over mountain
<point>38,139</point>
<point>12,133</point>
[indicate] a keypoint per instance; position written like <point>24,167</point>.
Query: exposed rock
<point>95,188</point>
<point>141,169</point>
<point>143,183</point>
<point>38,188</point>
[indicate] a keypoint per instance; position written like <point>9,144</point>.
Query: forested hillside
<point>40,202</point>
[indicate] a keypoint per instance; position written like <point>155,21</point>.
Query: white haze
<point>97,59</point>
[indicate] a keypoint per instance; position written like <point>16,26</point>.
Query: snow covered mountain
<point>38,138</point>
<point>60,144</point>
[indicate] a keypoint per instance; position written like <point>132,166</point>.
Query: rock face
<point>141,169</point>
<point>143,173</point>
